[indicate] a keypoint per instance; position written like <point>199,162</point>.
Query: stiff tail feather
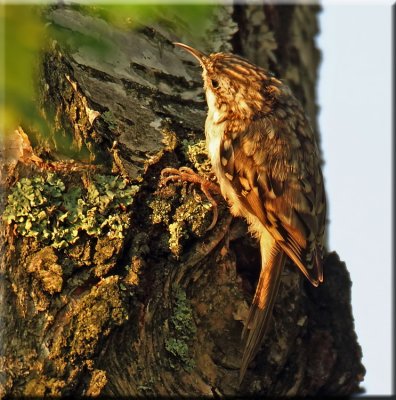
<point>261,309</point>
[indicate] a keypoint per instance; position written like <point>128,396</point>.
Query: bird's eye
<point>215,83</point>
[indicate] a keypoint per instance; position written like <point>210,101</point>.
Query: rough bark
<point>160,310</point>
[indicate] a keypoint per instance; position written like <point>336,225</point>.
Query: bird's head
<point>231,83</point>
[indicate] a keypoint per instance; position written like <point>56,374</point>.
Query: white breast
<point>214,131</point>
<point>214,134</point>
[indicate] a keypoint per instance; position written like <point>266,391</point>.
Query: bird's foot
<point>185,174</point>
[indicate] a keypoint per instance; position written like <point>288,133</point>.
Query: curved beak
<point>196,53</point>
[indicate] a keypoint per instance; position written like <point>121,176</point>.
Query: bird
<point>267,163</point>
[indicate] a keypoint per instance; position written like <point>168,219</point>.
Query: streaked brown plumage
<point>266,160</point>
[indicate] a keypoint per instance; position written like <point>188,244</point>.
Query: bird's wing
<point>277,176</point>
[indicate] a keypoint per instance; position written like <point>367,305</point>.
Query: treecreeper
<point>265,157</point>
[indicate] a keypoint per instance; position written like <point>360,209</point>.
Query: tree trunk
<point>158,308</point>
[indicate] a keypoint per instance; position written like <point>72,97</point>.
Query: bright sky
<point>355,121</point>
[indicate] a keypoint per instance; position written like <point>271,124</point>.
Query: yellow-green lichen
<point>97,382</point>
<point>193,212</point>
<point>106,252</point>
<point>169,139</point>
<point>161,209</point>
<point>45,267</point>
<point>98,312</point>
<point>183,328</point>
<point>44,386</point>
<point>43,207</point>
<point>109,118</point>
<point>192,217</point>
<point>177,232</point>
<point>196,211</point>
<point>197,154</point>
<point>92,317</point>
